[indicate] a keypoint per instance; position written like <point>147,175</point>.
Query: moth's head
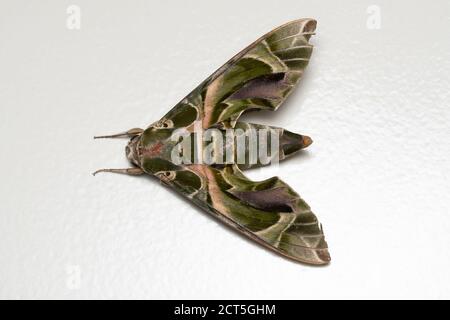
<point>132,150</point>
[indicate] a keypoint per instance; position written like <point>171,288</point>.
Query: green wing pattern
<point>259,77</point>
<point>268,211</point>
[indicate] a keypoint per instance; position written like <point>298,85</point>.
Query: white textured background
<point>374,101</point>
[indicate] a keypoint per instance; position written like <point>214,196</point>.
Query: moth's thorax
<point>155,143</point>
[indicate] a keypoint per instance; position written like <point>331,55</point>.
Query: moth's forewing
<point>259,77</point>
<point>269,211</point>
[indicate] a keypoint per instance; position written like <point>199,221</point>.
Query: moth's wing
<point>268,211</point>
<point>259,77</point>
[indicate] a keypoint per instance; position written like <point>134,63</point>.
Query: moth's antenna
<point>130,171</point>
<point>130,133</point>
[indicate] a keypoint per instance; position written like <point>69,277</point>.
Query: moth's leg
<point>130,171</point>
<point>130,133</point>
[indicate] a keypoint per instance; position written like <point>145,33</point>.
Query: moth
<point>260,77</point>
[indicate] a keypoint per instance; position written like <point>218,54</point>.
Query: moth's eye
<point>166,175</point>
<point>165,124</point>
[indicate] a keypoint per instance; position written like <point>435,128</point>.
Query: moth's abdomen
<point>246,145</point>
<point>266,144</point>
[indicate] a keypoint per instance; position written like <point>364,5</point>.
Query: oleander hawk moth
<point>260,77</point>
